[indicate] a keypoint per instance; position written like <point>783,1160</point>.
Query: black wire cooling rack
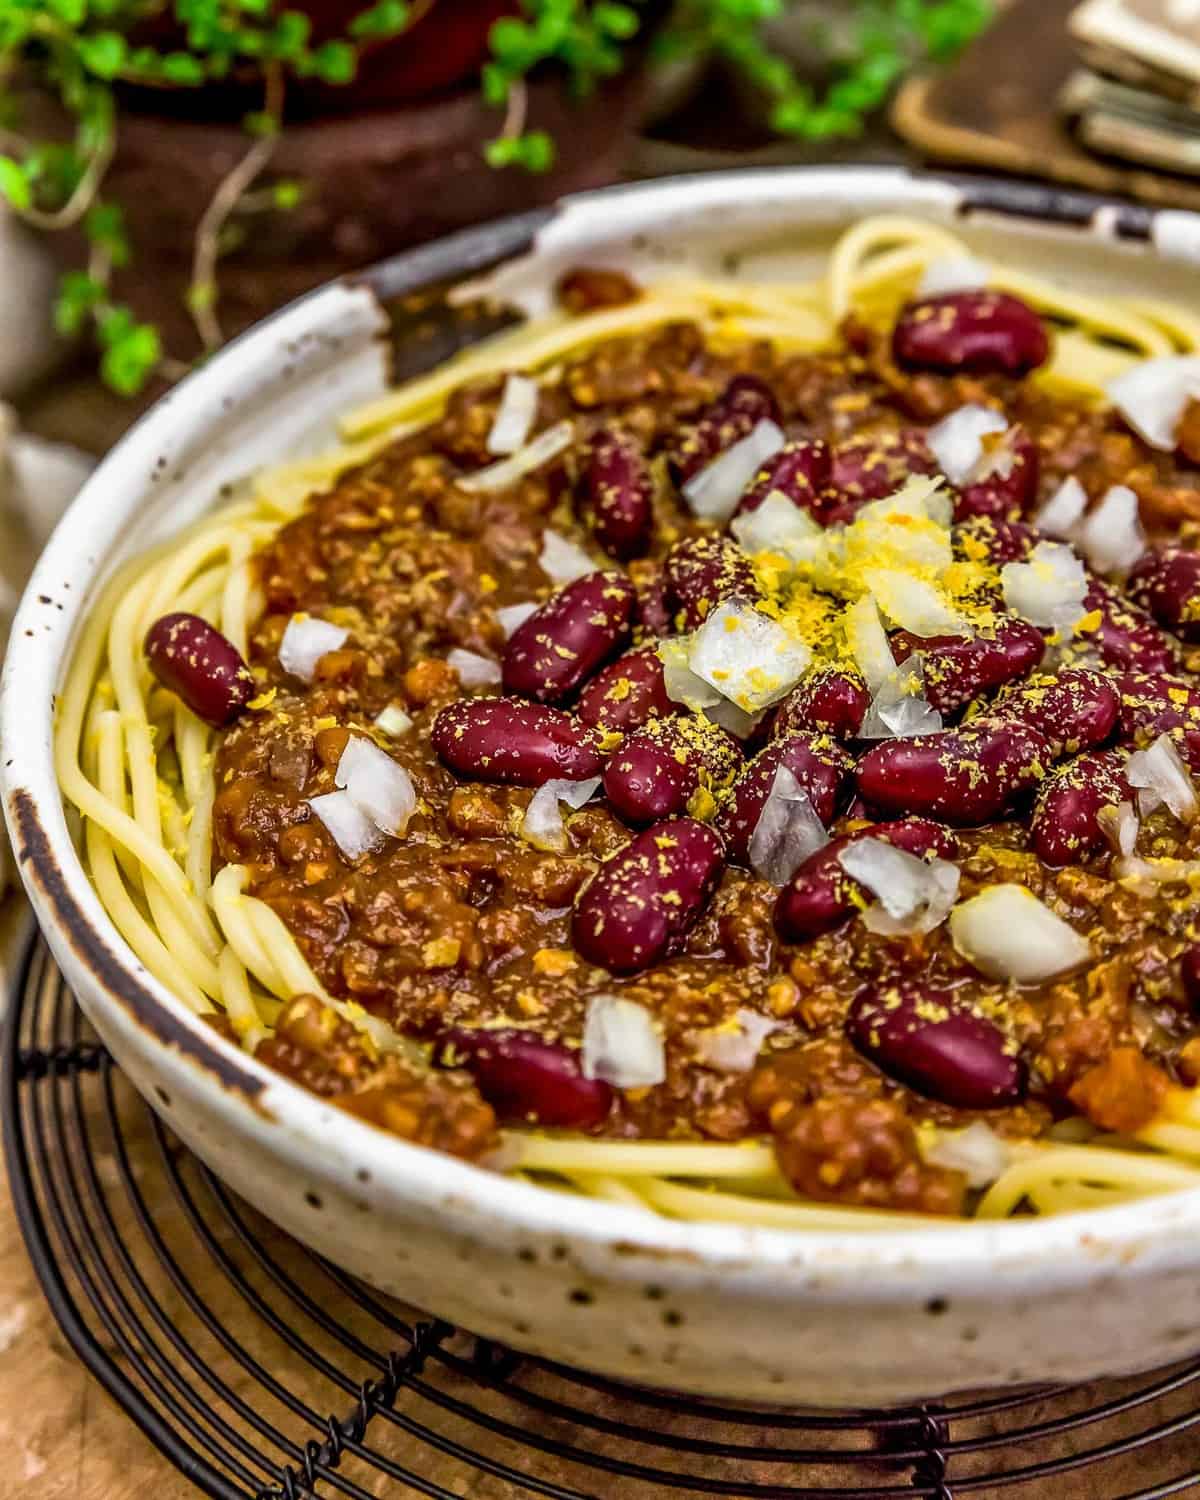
<point>264,1373</point>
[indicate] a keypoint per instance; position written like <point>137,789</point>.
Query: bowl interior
<point>275,395</point>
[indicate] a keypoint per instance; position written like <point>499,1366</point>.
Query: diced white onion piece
<point>1049,589</point>
<point>542,825</point>
<point>914,604</point>
<point>997,459</point>
<point>920,495</point>
<point>957,440</point>
<point>1111,538</point>
<point>377,785</point>
<point>393,721</point>
<point>730,717</point>
<point>953,273</point>
<point>1153,395</point>
<point>913,895</point>
<point>474,670</point>
<point>978,1151</point>
<point>1007,933</point>
<point>787,832</point>
<point>512,616</point>
<point>714,492</point>
<point>940,895</point>
<point>1064,510</point>
<point>621,1044</point>
<point>515,415</point>
<point>909,530</point>
<point>1145,876</point>
<point>562,560</point>
<point>749,658</point>
<point>683,686</point>
<point>868,643</point>
<point>1160,776</point>
<point>576,793</point>
<point>734,1047</point>
<point>305,641</point>
<point>1121,827</point>
<point>779,526</point>
<point>900,710</point>
<point>679,681</point>
<point>352,830</point>
<point>903,718</point>
<point>382,1033</point>
<point>535,455</point>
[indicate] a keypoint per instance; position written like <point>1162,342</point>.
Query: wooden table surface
<point>62,1438</point>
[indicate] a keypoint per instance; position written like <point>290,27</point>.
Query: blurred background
<point>171,170</point>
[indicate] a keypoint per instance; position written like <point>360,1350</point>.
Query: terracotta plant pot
<point>374,183</point>
<point>441,49</point>
<point>447,46</point>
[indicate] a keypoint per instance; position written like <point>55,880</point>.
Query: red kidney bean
<point>702,572</point>
<point>799,470</point>
<point>658,767</point>
<point>930,1040</point>
<point>509,742</point>
<point>1189,975</point>
<point>618,494</point>
<point>834,512</point>
<point>1154,705</point>
<point>1166,583</point>
<point>966,775</point>
<point>904,643</point>
<point>977,333</point>
<point>577,630</point>
<point>830,700</point>
<point>745,402</point>
<point>993,539</point>
<point>627,692</point>
<point>876,464</point>
<point>643,900</point>
<point>820,895</point>
<point>654,610</point>
<point>1004,495</point>
<point>1065,826</point>
<point>1075,709</point>
<point>818,763</point>
<point>195,662</point>
<point>958,669</point>
<point>1127,637</point>
<point>752,397</point>
<point>527,1080</point>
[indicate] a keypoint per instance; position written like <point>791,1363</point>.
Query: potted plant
<point>200,161</point>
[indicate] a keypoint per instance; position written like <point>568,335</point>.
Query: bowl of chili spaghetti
<point>681,813</point>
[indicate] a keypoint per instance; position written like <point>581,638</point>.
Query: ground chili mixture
<point>462,924</point>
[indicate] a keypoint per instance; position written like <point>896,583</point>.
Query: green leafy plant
<point>886,38</point>
<point>89,52</point>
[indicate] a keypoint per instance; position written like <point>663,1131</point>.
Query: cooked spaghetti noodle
<point>138,766</point>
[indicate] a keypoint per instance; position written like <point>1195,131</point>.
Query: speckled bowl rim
<point>862,1266</point>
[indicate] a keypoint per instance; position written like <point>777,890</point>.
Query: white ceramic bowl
<point>756,1314</point>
